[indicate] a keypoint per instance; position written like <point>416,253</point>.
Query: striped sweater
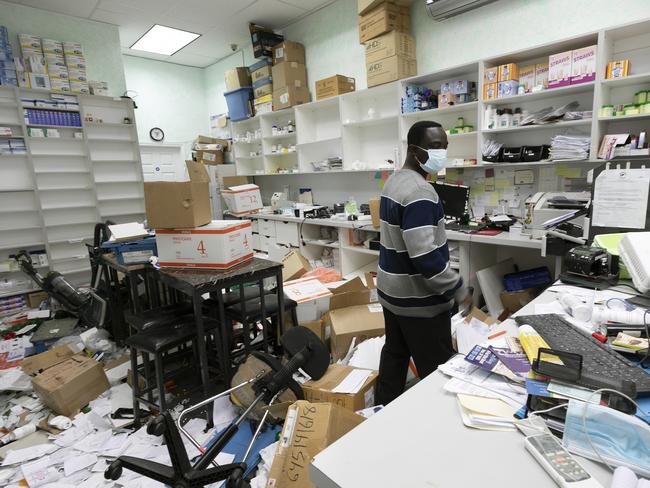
<point>414,277</point>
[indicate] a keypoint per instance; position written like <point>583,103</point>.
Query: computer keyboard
<point>601,366</point>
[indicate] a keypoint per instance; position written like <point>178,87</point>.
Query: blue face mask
<point>621,439</point>
<point>436,161</point>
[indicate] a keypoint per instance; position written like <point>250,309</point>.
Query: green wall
<point>169,96</point>
<point>101,42</point>
<point>213,77</point>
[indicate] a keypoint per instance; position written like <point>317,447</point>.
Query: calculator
<point>559,463</point>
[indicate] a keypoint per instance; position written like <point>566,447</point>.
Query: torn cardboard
<point>47,359</point>
<point>308,429</point>
<point>321,390</point>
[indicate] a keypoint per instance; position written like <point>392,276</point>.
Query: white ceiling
<point>220,22</point>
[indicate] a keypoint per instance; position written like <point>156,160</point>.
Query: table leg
<point>225,329</point>
<point>203,354</point>
<point>265,340</point>
<point>244,319</point>
<point>133,291</point>
<point>280,292</point>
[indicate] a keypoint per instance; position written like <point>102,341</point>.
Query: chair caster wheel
<point>114,471</point>
<point>156,426</point>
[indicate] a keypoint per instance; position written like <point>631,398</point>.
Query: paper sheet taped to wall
<point>621,198</point>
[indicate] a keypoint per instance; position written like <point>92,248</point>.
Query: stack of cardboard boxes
<point>289,75</point>
<point>53,65</point>
<point>262,85</point>
<point>390,51</point>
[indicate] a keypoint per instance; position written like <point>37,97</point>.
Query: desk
<point>196,282</point>
<point>419,440</point>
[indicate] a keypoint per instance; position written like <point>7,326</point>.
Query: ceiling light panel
<point>164,40</point>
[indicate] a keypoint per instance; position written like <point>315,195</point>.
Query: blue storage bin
<point>532,278</point>
<point>239,106</point>
<point>133,252</point>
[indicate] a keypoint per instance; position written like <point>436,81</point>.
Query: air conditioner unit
<point>444,9</point>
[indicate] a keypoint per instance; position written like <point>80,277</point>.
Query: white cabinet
<point>267,227</point>
<point>255,241</point>
<point>287,233</point>
<point>266,243</point>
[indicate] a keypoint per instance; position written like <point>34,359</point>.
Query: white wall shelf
<point>624,117</point>
<point>637,79</point>
<point>57,188</point>
<point>544,94</point>
<point>554,126</point>
<point>433,112</point>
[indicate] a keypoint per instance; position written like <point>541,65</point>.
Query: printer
<point>546,206</point>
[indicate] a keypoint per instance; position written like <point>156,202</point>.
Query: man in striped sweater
<point>416,285</point>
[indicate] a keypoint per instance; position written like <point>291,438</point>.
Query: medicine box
<point>508,72</point>
<point>77,74</point>
<point>57,72</point>
<point>618,69</point>
<point>73,61</point>
<point>242,199</point>
<point>583,65</point>
<point>490,75</point>
<point>490,91</point>
<point>463,87</point>
<point>79,86</point>
<point>60,84</point>
<point>73,48</point>
<point>220,244</point>
<point>559,69</point>
<point>28,41</point>
<point>527,77</point>
<point>446,99</point>
<point>36,64</point>
<point>52,46</point>
<point>54,60</point>
<point>446,87</point>
<point>37,80</point>
<point>507,88</point>
<point>541,75</point>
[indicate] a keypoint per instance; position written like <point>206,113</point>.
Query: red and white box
<point>312,297</point>
<point>220,244</point>
<point>242,199</point>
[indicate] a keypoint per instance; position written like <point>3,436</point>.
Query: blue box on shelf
<point>133,252</point>
<point>239,103</point>
<point>531,278</point>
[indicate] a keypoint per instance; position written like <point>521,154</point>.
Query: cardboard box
<point>29,41</point>
<point>618,69</point>
<point>77,74</point>
<point>221,244</point>
<point>559,69</point>
<point>514,300</point>
<point>60,84</point>
<point>507,88</point>
<point>446,99</point>
<point>54,60</point>
<point>52,46</point>
<point>583,65</point>
<point>209,150</point>
<point>390,69</point>
<point>490,91</point>
<point>263,40</point>
<point>334,85</point>
<point>36,64</point>
<point>289,51</point>
<point>263,88</point>
<point>311,296</point>
<point>69,385</point>
<point>40,362</point>
<point>321,390</point>
<point>384,18</point>
<point>263,107</point>
<point>374,203</point>
<point>490,75</point>
<point>289,73</point>
<point>39,81</point>
<point>58,72</point>
<point>73,48</point>
<point>174,204</point>
<point>508,72</point>
<point>364,6</point>
<point>308,429</point>
<point>35,299</point>
<point>79,86</point>
<point>320,328</point>
<point>394,43</point>
<point>527,77</point>
<point>294,265</point>
<point>72,61</point>
<point>242,199</point>
<point>237,78</point>
<point>541,74</point>
<point>260,73</point>
<point>352,314</point>
<point>289,96</point>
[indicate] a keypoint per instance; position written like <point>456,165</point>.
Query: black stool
<point>159,341</point>
<point>250,311</point>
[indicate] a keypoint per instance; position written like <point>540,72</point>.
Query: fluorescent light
<point>164,40</point>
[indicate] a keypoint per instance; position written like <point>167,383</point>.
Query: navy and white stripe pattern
<point>414,278</point>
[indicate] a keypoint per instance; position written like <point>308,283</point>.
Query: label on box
<point>279,52</point>
<point>306,289</point>
<point>375,308</point>
<point>134,257</point>
<point>369,398</point>
<point>206,156</point>
<point>284,98</point>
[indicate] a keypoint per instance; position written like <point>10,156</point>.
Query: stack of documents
<point>570,147</point>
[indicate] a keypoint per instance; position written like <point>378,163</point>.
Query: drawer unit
<point>255,226</point>
<point>267,227</point>
<point>266,242</point>
<point>287,233</point>
<point>255,240</point>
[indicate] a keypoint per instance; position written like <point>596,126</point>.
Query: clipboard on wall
<point>619,198</point>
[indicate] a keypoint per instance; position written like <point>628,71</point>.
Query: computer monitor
<point>454,198</point>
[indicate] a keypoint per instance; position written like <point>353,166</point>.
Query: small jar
<point>645,108</point>
<point>468,129</point>
<point>619,113</point>
<point>606,111</point>
<point>507,118</point>
<point>640,97</point>
<point>460,122</point>
<point>274,130</point>
<point>516,117</point>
